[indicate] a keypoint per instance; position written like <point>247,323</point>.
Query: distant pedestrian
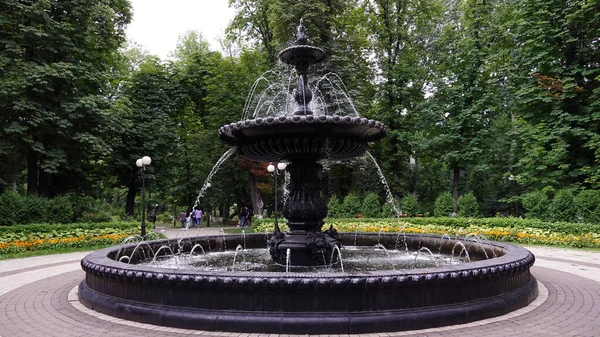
<point>152,217</point>
<point>242,216</point>
<point>182,219</point>
<point>248,220</point>
<point>198,215</point>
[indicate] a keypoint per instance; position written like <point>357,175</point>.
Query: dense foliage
<point>492,105</point>
<point>18,209</point>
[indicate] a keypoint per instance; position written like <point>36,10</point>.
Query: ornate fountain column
<point>305,207</point>
<point>302,138</point>
<point>305,210</point>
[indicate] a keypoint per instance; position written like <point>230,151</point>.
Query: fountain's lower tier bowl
<point>299,303</point>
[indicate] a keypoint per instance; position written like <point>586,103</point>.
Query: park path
<point>38,298</point>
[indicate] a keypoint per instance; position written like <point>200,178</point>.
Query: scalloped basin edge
<point>302,303</point>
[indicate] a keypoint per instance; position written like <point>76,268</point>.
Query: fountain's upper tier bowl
<point>302,55</point>
<point>298,137</point>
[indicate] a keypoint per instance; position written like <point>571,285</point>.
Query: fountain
<point>303,139</point>
<point>292,302</point>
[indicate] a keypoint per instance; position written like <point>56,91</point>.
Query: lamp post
<point>142,163</point>
<point>208,185</point>
<point>275,172</point>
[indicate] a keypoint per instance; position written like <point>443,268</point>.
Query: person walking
<point>248,220</point>
<point>182,219</point>
<point>242,216</point>
<point>198,215</point>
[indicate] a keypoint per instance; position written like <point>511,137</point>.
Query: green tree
<point>228,82</point>
<point>56,59</point>
<point>389,211</point>
<point>252,23</point>
<point>351,206</point>
<point>334,207</point>
<point>444,205</point>
<point>371,208</point>
<point>146,104</point>
<point>468,206</point>
<point>410,205</point>
<point>557,92</point>
<point>401,33</point>
<point>458,110</point>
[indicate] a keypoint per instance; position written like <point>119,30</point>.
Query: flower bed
<point>576,236</point>
<point>52,237</point>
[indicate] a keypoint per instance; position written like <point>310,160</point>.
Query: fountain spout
<point>301,36</point>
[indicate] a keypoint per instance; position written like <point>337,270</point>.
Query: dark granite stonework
<point>303,138</point>
<point>301,303</point>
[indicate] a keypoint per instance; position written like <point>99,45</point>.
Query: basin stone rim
<point>516,259</point>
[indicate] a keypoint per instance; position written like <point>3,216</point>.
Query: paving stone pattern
<point>37,299</point>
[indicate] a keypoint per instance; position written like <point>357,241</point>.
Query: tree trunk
<point>43,183</point>
<point>32,171</point>
<point>455,178</point>
<point>129,204</point>
<point>257,203</point>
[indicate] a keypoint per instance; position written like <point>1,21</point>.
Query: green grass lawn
<point>62,250</point>
<point>237,230</point>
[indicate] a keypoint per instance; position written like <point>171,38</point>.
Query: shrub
<point>588,204</point>
<point>351,206</point>
<point>563,206</point>
<point>18,209</point>
<point>36,208</point>
<point>410,205</point>
<point>60,210</point>
<point>389,210</point>
<point>537,205</point>
<point>12,208</point>
<point>444,205</point>
<point>468,206</point>
<point>371,208</point>
<point>165,218</point>
<point>334,207</point>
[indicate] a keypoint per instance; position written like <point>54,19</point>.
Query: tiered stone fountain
<point>307,303</point>
<point>303,139</point>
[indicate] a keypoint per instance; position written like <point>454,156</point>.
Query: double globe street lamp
<point>142,163</point>
<point>275,172</point>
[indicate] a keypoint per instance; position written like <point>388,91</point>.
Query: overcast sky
<point>157,24</point>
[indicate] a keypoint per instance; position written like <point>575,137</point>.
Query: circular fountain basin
<point>310,303</point>
<point>302,137</point>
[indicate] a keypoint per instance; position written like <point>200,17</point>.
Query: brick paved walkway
<point>37,298</point>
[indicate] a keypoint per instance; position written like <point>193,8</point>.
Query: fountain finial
<point>301,36</point>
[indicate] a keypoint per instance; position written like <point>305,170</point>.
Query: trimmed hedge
<point>444,205</point>
<point>49,228</point>
<point>371,208</point>
<point>19,209</point>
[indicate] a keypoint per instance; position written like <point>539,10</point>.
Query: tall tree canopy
<point>498,98</point>
<point>56,59</point>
